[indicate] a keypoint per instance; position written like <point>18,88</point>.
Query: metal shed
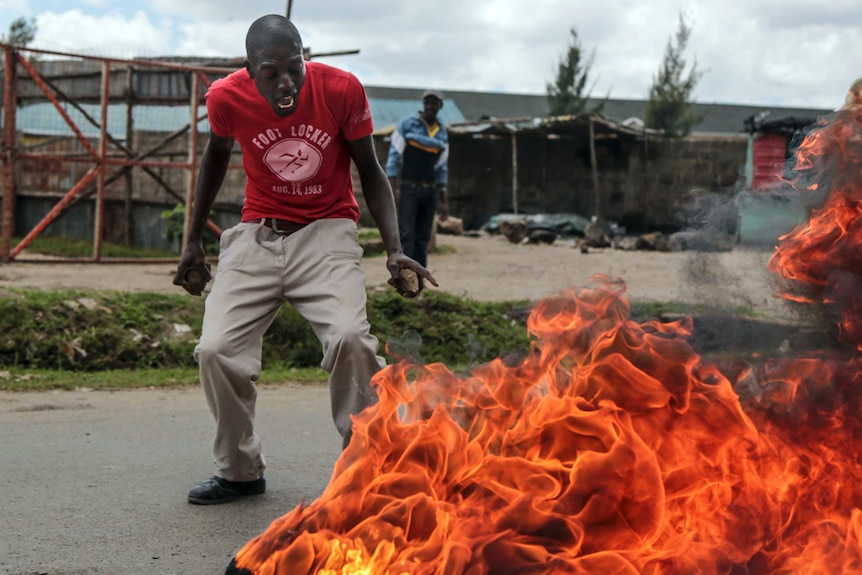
<point>578,164</point>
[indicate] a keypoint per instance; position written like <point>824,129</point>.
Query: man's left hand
<point>402,268</point>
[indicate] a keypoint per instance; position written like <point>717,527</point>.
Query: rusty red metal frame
<point>98,156</point>
<point>8,152</point>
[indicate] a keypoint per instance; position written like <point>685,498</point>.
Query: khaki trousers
<point>317,271</point>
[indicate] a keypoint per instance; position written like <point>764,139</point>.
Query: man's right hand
<point>193,271</point>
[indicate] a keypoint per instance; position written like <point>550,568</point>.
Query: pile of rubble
<point>592,234</point>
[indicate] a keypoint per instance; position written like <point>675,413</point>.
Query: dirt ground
<point>488,268</point>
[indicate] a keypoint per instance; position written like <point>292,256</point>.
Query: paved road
<point>96,482</point>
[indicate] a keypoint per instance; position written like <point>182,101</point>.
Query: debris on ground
<point>599,233</point>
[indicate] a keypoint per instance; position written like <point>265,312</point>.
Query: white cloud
<point>217,39</point>
<point>110,34</point>
<point>17,7</point>
<point>788,52</point>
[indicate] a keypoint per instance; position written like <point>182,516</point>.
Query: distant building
<point>160,98</point>
<point>474,106</point>
<point>772,142</point>
<point>507,155</point>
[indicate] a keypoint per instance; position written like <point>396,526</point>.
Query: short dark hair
<point>270,30</point>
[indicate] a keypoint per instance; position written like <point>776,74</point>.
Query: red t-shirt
<point>297,167</point>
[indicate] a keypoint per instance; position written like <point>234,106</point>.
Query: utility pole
<point>289,2</point>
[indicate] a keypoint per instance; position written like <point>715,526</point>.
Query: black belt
<point>419,184</point>
<point>282,227</point>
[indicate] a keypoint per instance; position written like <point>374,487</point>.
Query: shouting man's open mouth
<point>286,102</point>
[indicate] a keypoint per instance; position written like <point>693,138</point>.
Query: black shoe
<point>217,490</point>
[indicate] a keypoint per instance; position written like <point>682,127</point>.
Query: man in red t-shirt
<point>299,124</point>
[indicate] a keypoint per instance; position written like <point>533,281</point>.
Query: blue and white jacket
<point>419,152</point>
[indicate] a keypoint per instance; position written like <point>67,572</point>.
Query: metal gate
<point>88,166</point>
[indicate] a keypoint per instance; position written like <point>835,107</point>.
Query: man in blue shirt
<point>418,156</point>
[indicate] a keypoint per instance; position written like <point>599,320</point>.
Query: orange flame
<point>613,447</point>
<point>822,259</point>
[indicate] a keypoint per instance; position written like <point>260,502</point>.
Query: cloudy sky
<point>801,53</point>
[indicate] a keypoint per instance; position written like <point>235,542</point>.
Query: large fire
<point>613,448</point>
<point>823,258</point>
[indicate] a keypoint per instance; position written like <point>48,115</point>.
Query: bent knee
<point>211,349</point>
<point>349,340</point>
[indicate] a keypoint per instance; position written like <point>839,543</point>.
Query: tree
<point>21,32</point>
<point>568,94</point>
<point>670,106</point>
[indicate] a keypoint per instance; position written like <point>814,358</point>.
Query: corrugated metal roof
<point>718,118</point>
<point>388,112</point>
<point>553,124</point>
<point>473,105</point>
<point>79,79</point>
<point>45,120</point>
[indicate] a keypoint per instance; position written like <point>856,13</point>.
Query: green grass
<point>18,379</point>
<point>64,247</point>
<point>367,234</point>
<point>110,338</point>
<point>650,309</point>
